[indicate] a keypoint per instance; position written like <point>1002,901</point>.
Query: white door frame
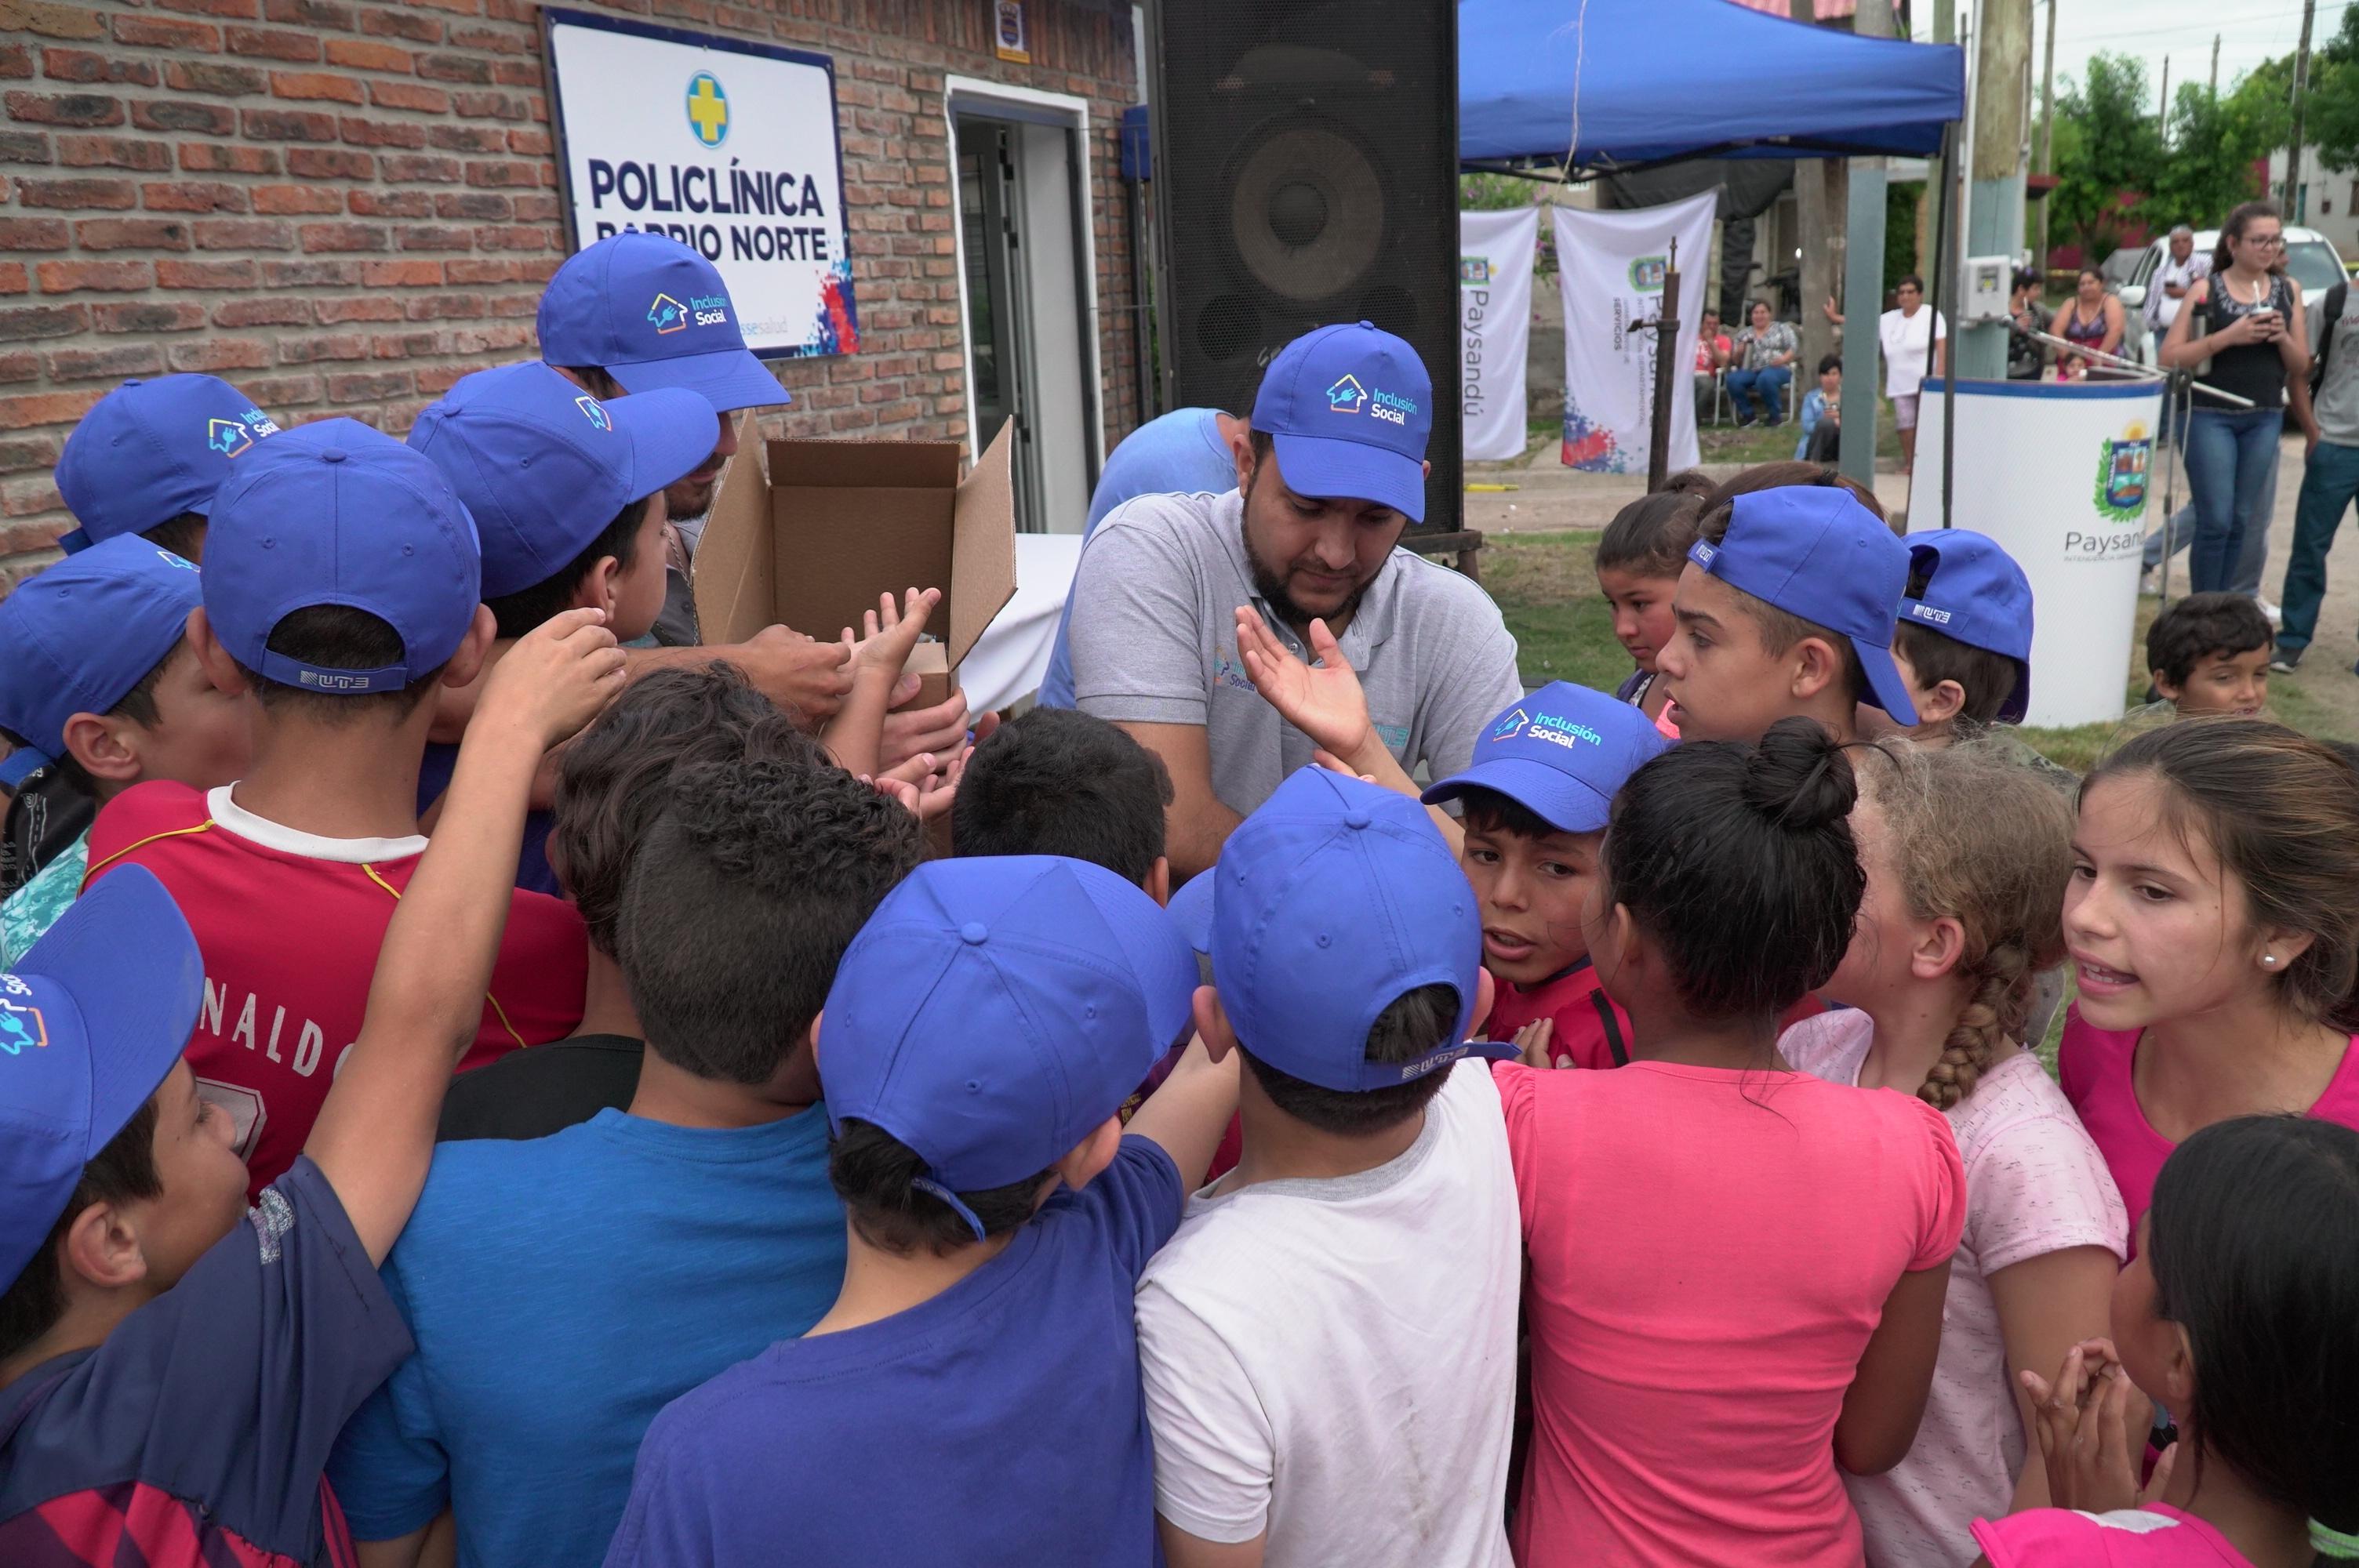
<point>977,95</point>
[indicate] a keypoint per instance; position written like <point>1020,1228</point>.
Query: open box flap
<point>983,547</point>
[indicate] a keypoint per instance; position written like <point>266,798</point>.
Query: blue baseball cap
<point>1814,551</point>
<point>543,467</point>
<point>1560,753</point>
<point>1975,593</point>
<point>152,449</point>
<point>653,313</point>
<point>1328,903</point>
<point>335,512</point>
<point>996,1008</point>
<point>91,1022</point>
<point>76,638</point>
<point>1349,407</point>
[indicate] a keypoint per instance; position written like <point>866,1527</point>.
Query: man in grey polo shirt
<point>1330,471</point>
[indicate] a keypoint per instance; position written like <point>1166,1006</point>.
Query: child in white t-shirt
<point>1966,857</point>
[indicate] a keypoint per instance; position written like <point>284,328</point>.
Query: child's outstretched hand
<point>1324,702</point>
<point>887,635</point>
<point>2092,1456</point>
<point>557,677</point>
<point>924,787</point>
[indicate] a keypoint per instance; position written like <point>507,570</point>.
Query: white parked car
<point>2311,258</point>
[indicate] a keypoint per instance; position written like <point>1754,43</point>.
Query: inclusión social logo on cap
<point>1560,753</point>
<point>151,450</point>
<point>1349,410</point>
<point>653,313</point>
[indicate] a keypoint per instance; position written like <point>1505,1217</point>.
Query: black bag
<point>2331,316</point>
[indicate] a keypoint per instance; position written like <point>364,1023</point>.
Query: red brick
<point>432,380</point>
<point>115,360</point>
<point>507,173</point>
<point>367,203</point>
<point>24,452</point>
<point>203,157</point>
<point>116,276</point>
<point>494,39</point>
<point>86,65</point>
<point>401,274</point>
<point>25,499</point>
<point>434,237</point>
<point>287,125</point>
<point>311,273</point>
<point>64,108</point>
<point>117,194</point>
<point>13,279</point>
<point>132,235</point>
<point>25,147</point>
<point>312,351</point>
<point>272,43</point>
<point>315,85</point>
<point>51,20</point>
<point>329,163</point>
<point>16,62</point>
<point>465,8</point>
<point>172,273</point>
<point>282,390</point>
<point>365,132</point>
<point>445,306</point>
<point>192,196</point>
<point>220,353</point>
<point>517,238</point>
<point>113,152</point>
<point>468,69</point>
<point>529,143</point>
<point>491,106</point>
<point>211,8</point>
<point>48,409</point>
<point>409,95</point>
<point>149,318</point>
<point>417,29</point>
<point>311,13</point>
<point>167,33</point>
<point>205,119</point>
<point>296,199</point>
<point>17,234</point>
<point>360,307</point>
<point>43,321</point>
<point>473,206</point>
<point>477,271</point>
<point>242,235</point>
<point>360,54</point>
<point>361,386</point>
<point>264,310</point>
<point>403,345</point>
<point>423,168</point>
<point>317,237</point>
<point>517,73</point>
<point>537,208</point>
<point>210,77</point>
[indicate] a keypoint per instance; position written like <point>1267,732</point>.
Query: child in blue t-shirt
<point>972,1396</point>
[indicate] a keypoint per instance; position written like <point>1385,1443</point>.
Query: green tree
<point>2331,110</point>
<point>2217,144</point>
<point>2103,169</point>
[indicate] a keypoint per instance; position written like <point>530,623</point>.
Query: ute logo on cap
<point>230,438</point>
<point>1927,612</point>
<point>594,411</point>
<point>16,1032</point>
<point>708,109</point>
<point>1347,395</point>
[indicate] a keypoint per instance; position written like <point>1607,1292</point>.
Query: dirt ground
<point>1549,496</point>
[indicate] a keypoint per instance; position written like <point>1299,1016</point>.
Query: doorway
<point>1027,276</point>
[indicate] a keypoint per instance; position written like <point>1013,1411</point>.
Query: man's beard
<point>1272,587</point>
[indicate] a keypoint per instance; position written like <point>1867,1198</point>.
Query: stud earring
<point>2270,959</point>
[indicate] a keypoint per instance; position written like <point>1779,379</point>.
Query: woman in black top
<point>2245,320</point>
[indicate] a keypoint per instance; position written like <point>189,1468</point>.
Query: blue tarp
<point>1662,78</point>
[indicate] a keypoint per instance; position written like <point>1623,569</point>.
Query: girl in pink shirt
<point>1735,1270</point>
<point>2212,919</point>
<point>2241,1309</point>
<point>1966,854</point>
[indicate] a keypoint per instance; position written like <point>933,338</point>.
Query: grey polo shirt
<point>2337,403</point>
<point>1154,641</point>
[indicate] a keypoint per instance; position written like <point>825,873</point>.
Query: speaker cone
<point>1307,210</point>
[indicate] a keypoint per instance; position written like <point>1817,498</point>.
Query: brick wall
<point>343,206</point>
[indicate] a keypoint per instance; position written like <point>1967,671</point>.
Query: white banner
<point>1495,252</point>
<point>1611,265</point>
<point>727,147</point>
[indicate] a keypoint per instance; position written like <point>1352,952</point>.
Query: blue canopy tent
<point>1654,80</point>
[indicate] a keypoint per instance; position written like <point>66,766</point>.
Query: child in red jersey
<point>343,590</point>
<point>1535,801</point>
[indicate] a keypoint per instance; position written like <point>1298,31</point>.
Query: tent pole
<point>1942,205</point>
<point>1944,246</point>
<point>1667,348</point>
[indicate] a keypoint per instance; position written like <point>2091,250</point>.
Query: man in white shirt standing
<point>2166,290</point>
<point>1327,1345</point>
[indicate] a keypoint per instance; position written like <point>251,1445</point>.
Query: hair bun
<point>1798,777</point>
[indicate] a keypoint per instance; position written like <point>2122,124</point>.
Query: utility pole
<point>1864,284</point>
<point>2048,132</point>
<point>1992,160</point>
<point>1817,221</point>
<point>2215,62</point>
<point>2300,89</point>
<point>2162,109</point>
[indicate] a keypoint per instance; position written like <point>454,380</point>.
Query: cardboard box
<point>809,533</point>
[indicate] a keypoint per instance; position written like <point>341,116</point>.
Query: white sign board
<point>1495,251</point>
<point>1612,265</point>
<point>729,147</point>
<point>2062,473</point>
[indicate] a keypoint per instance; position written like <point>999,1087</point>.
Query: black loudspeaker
<point>1305,172</point>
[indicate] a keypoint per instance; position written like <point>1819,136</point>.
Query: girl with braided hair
<point>1967,855</point>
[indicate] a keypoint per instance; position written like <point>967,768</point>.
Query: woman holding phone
<point>2240,331</point>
